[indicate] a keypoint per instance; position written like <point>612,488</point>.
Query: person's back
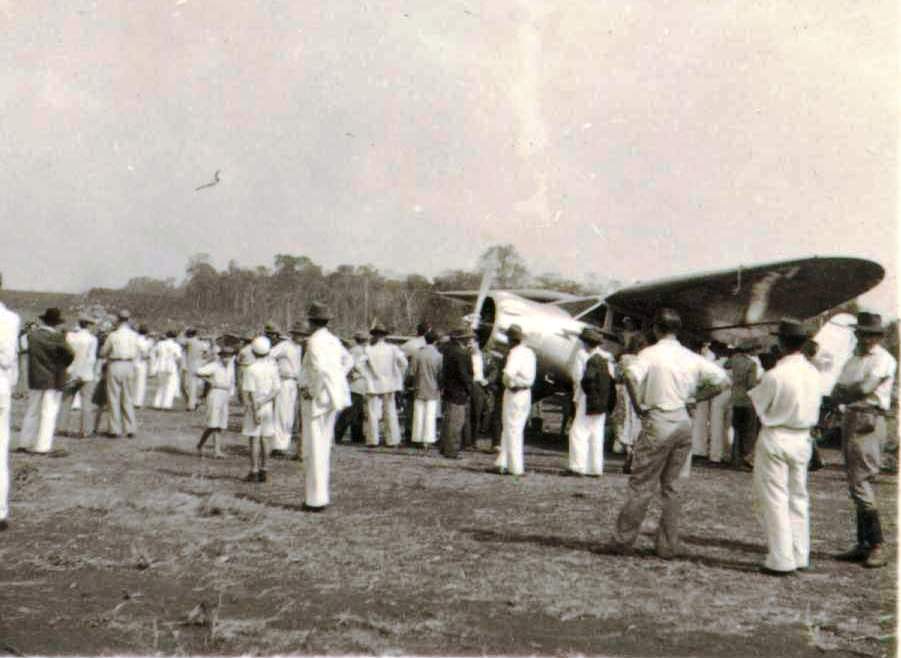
<point>427,370</point>
<point>84,345</point>
<point>385,361</point>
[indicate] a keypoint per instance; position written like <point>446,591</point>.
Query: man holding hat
<point>661,380</point>
<point>287,355</point>
<point>865,388</point>
<point>518,377</point>
<point>80,376</point>
<point>48,357</point>
<point>353,416</point>
<point>9,343</point>
<point>456,385</point>
<point>121,349</point>
<point>385,368</point>
<point>787,401</point>
<point>325,392</point>
<point>586,433</point>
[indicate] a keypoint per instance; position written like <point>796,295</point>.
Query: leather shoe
<point>876,558</point>
<point>252,477</point>
<point>775,572</point>
<point>313,508</point>
<point>262,476</point>
<point>856,554</point>
<point>4,525</point>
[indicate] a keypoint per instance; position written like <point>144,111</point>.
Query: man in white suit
<point>385,368</point>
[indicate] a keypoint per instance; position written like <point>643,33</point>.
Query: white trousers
<point>140,382</point>
<point>780,496</point>
<point>120,380</point>
<point>317,454</point>
<point>586,441</point>
<point>192,384</point>
<point>720,426</point>
<point>40,420</point>
<point>514,416</point>
<point>166,387</point>
<point>378,405</point>
<point>425,418</point>
<point>285,410</point>
<point>5,406</point>
<point>631,421</point>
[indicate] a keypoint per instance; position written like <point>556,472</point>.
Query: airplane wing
<point>753,298</point>
<point>532,294</point>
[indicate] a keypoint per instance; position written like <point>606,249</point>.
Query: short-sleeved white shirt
<point>789,394</point>
<point>668,374</point>
<point>261,377</point>
<point>877,365</point>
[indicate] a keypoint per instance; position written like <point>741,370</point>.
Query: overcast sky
<point>633,139</point>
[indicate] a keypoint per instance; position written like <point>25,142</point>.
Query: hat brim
<point>52,322</point>
<point>869,331</point>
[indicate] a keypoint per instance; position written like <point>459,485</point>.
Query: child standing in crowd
<point>261,385</point>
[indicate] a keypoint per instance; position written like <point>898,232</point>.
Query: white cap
<point>260,346</point>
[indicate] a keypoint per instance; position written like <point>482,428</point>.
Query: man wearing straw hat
<point>787,402</point>
<point>385,368</point>
<point>48,357</point>
<point>865,387</point>
<point>326,365</point>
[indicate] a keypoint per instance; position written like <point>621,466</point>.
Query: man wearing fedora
<point>353,416</point>
<point>661,381</point>
<point>518,377</point>
<point>425,371</point>
<point>385,368</point>
<point>456,387</point>
<point>865,388</point>
<point>48,357</point>
<point>325,391</point>
<point>80,375</point>
<point>9,343</point>
<point>586,433</point>
<point>787,402</point>
<point>121,349</point>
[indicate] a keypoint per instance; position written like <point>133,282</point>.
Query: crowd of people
<point>303,390</point>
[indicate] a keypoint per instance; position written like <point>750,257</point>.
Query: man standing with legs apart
<point>586,434</point>
<point>385,368</point>
<point>80,375</point>
<point>48,357</point>
<point>661,380</point>
<point>519,375</point>
<point>9,366</point>
<point>787,401</point>
<point>121,350</point>
<point>326,365</point>
<point>425,371</point>
<point>456,385</point>
<point>865,386</point>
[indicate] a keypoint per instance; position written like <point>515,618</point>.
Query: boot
<point>860,552</point>
<point>873,532</point>
<point>876,558</point>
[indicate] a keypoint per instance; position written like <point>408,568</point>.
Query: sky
<point>634,140</point>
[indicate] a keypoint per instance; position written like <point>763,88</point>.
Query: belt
<point>120,359</point>
<point>517,389</point>
<point>790,429</point>
<point>220,388</point>
<point>286,379</point>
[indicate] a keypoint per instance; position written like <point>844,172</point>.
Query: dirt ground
<point>140,547</point>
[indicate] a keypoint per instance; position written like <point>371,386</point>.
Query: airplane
<point>726,306</point>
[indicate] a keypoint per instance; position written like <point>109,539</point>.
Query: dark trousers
<point>745,426</point>
<point>452,428</point>
<point>409,397</point>
<point>496,422</point>
<point>473,425</point>
<point>351,417</point>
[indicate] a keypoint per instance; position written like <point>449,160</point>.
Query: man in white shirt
<point>121,350</point>
<point>287,355</point>
<point>80,376</point>
<point>167,357</point>
<point>385,368</point>
<point>9,363</point>
<point>586,433</point>
<point>518,377</point>
<point>661,380</point>
<point>145,344</point>
<point>865,388</point>
<point>787,402</point>
<point>326,365</point>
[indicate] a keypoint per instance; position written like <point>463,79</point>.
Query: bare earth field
<point>140,547</point>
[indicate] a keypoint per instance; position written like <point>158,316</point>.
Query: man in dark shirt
<point>456,385</point>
